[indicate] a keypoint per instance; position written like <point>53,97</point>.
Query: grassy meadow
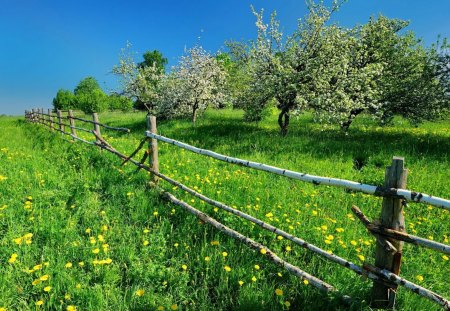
<point>80,232</point>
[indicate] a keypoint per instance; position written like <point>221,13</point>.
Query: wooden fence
<point>389,231</point>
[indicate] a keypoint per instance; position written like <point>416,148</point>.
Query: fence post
<point>50,117</point>
<point>96,126</point>
<point>391,217</point>
<point>153,147</point>
<point>72,124</point>
<point>61,126</point>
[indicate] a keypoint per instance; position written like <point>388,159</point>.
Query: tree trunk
<point>353,113</point>
<point>284,124</point>
<point>194,114</point>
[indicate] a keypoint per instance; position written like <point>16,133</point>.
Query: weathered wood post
<point>383,296</point>
<point>96,126</point>
<point>61,126</point>
<point>153,147</point>
<point>33,111</point>
<point>72,124</point>
<point>50,118</point>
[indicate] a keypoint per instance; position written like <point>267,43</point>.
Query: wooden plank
<point>392,218</point>
<point>96,126</point>
<point>153,147</point>
<point>316,180</point>
<point>61,125</point>
<point>72,124</point>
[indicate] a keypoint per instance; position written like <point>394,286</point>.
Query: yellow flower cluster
<point>26,238</point>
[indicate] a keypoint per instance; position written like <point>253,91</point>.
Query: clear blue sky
<point>46,45</point>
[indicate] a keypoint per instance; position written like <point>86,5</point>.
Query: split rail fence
<point>389,230</point>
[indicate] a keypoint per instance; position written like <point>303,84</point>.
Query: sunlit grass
<point>77,230</point>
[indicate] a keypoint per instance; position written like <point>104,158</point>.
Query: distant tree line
<point>89,97</point>
<point>338,73</point>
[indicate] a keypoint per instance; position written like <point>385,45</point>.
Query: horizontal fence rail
<point>385,236</point>
<point>316,180</point>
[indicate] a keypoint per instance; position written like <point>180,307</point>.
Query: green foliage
<point>94,101</point>
<point>86,86</point>
<point>154,58</point>
<point>64,100</point>
<point>116,102</point>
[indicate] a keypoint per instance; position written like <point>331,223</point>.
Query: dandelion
<point>13,258</point>
<point>279,237</point>
<point>100,238</point>
<point>280,274</point>
<point>44,277</point>
<point>445,257</point>
<point>39,303</point>
<point>207,258</point>
<point>227,268</point>
<point>305,281</point>
<point>278,292</point>
<point>253,279</point>
<point>224,254</point>
<point>176,244</point>
<point>263,251</point>
<point>88,230</point>
<point>353,242</point>
<point>241,283</point>
<point>288,248</point>
<point>287,304</point>
<point>96,250</point>
<point>269,215</point>
<point>324,228</point>
<point>78,286</point>
<point>81,264</point>
<point>146,230</point>
<point>145,243</point>
<point>35,282</point>
<point>160,308</point>
<point>174,307</point>
<point>419,278</point>
<point>67,296</point>
<point>140,292</point>
<point>361,257</point>
<point>215,243</point>
<point>184,267</point>
<point>47,288</point>
<point>71,308</point>
<point>68,265</point>
<point>155,213</point>
<point>257,267</point>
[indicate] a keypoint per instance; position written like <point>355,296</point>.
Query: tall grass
<point>159,256</point>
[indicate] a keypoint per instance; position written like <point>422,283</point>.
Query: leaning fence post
<point>383,296</point>
<point>72,124</point>
<point>96,126</point>
<point>153,147</point>
<point>50,117</point>
<point>61,126</point>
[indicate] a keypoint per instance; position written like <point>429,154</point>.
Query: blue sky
<point>46,45</point>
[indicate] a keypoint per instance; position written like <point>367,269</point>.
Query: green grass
<point>75,187</point>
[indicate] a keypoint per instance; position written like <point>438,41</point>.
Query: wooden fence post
<point>96,126</point>
<point>153,147</point>
<point>391,217</point>
<point>50,117</point>
<point>61,126</point>
<point>72,124</point>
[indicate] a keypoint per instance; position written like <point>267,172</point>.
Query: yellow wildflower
<point>44,277</point>
<point>71,308</point>
<point>39,303</point>
<point>257,267</point>
<point>47,288</point>
<point>184,267</point>
<point>227,268</point>
<point>207,258</point>
<point>278,292</point>
<point>241,283</point>
<point>224,254</point>
<point>263,251</point>
<point>68,265</point>
<point>174,307</point>
<point>140,292</point>
<point>419,278</point>
<point>13,258</point>
<point>305,281</point>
